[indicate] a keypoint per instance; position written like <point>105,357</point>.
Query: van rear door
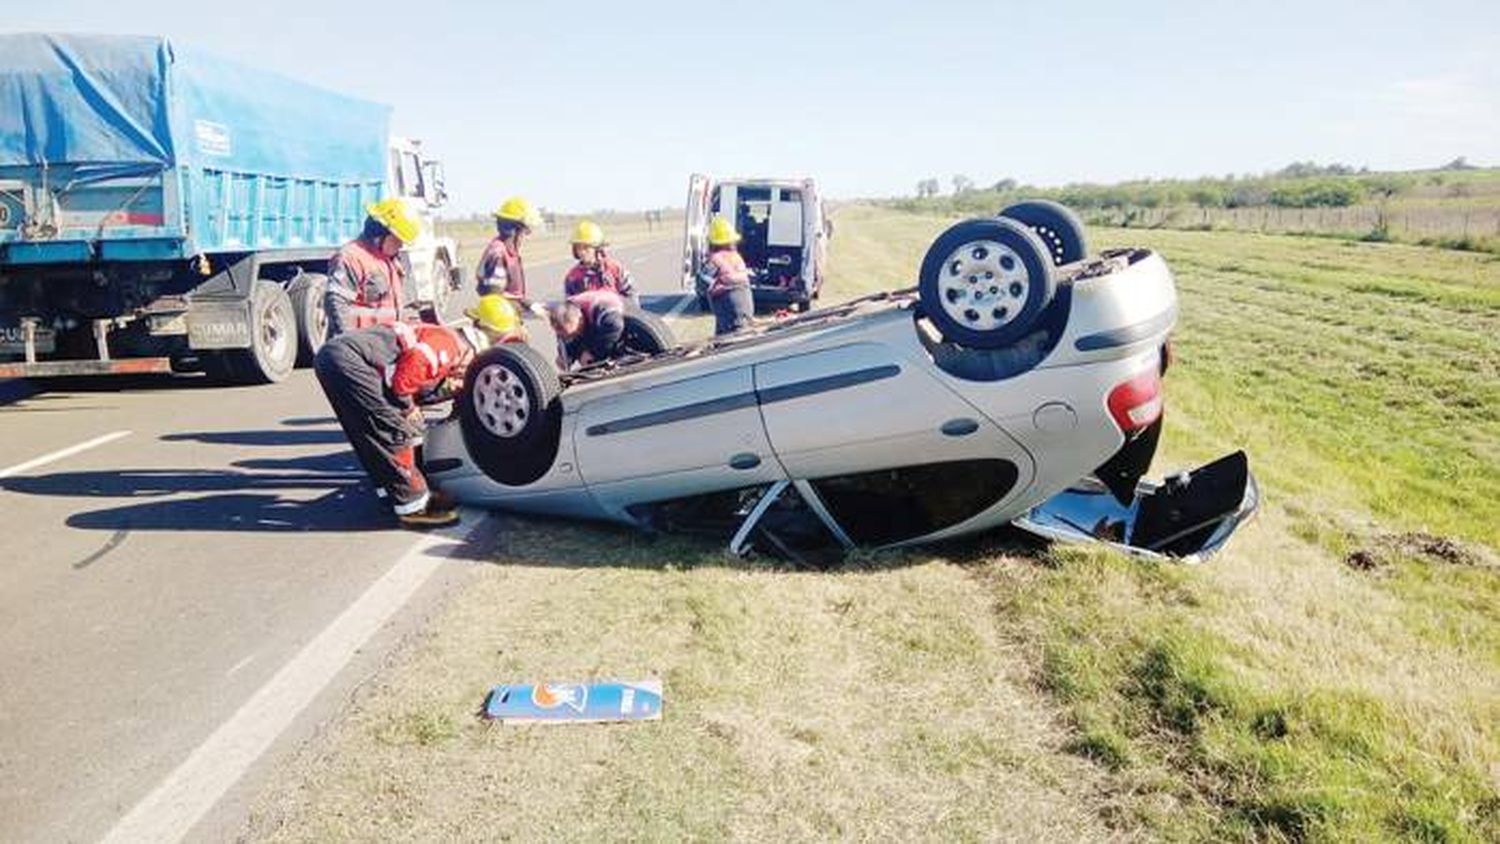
<point>695,229</point>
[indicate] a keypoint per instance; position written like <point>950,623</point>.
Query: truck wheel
<point>646,334</point>
<point>1057,226</point>
<point>306,292</point>
<point>510,414</point>
<point>273,338</point>
<point>985,282</point>
<point>436,311</point>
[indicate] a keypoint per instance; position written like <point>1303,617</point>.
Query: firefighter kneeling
<point>374,378</point>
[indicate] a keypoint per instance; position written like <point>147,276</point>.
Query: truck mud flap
<point>1188,517</point>
<point>218,324</point>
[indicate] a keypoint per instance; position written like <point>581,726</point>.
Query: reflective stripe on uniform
<point>411,507</point>
<point>427,352</point>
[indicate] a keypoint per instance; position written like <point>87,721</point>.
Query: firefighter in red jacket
<point>595,269</point>
<point>589,327</point>
<point>374,377</point>
<point>500,269</point>
<point>365,278</point>
<point>727,279</point>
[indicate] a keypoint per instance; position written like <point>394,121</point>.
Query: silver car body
<point>843,391</point>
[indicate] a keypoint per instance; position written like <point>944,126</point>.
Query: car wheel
<point>510,414</point>
<point>1057,226</point>
<point>985,282</point>
<point>306,292</point>
<point>646,333</point>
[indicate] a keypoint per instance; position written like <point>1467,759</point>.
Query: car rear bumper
<point>1188,517</point>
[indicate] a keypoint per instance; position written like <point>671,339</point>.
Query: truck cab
<point>784,235</point>
<point>432,259</point>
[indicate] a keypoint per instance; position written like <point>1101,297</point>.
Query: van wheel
<point>306,292</point>
<point>273,338</point>
<point>510,414</point>
<point>646,334</point>
<point>985,282</point>
<point>1057,226</point>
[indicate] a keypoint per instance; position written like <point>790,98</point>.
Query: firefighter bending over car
<point>596,270</point>
<point>375,379</point>
<point>366,276</point>
<point>589,327</point>
<point>727,279</point>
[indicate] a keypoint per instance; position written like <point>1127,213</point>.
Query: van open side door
<point>695,229</point>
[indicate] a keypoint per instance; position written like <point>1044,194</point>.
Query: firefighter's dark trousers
<point>351,368</point>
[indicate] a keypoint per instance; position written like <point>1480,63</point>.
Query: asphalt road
<point>167,588</point>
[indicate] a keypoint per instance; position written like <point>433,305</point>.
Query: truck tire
<point>273,338</point>
<point>986,282</point>
<point>510,414</point>
<point>436,311</point>
<point>1057,226</point>
<point>646,334</point>
<point>306,292</point>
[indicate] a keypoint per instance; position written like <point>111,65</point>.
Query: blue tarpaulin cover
<point>90,99</point>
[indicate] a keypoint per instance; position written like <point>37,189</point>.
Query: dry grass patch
<point>877,702</point>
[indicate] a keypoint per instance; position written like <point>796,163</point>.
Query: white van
<point>784,231</point>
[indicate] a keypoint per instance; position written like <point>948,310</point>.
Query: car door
<point>688,437</point>
<point>695,229</point>
<point>859,407</point>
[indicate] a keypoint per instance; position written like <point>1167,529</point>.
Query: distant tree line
<point>1302,184</point>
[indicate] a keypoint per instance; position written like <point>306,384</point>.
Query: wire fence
<point>1411,222</point>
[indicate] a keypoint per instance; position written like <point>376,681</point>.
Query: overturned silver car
<point>1019,382</point>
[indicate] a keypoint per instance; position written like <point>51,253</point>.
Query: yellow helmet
<point>588,233</point>
<point>721,233</point>
<point>495,314</point>
<point>518,210</point>
<point>392,214</point>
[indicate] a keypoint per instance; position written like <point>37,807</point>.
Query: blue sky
<point>584,105</point>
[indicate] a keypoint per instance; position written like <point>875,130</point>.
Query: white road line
<point>678,308</point>
<point>190,791</point>
<point>61,453</point>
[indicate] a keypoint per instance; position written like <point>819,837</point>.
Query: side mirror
<point>437,191</point>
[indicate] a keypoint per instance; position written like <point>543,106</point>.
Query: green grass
<point>1333,675</point>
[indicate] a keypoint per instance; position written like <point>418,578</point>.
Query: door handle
<point>744,461</point>
<point>961,427</point>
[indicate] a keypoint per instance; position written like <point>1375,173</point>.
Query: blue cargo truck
<point>162,209</point>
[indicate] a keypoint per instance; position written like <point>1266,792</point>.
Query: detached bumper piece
<point>1187,517</point>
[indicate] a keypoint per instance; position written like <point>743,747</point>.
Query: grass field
<point>1334,675</point>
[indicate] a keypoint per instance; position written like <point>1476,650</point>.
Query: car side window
<point>893,505</point>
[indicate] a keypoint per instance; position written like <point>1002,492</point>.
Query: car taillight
<point>1136,403</point>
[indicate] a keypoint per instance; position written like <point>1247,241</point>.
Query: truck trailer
<point>166,210</point>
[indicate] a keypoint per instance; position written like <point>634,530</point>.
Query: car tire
<point>436,311</point>
<point>510,414</point>
<point>273,339</point>
<point>986,282</point>
<point>306,292</point>
<point>1056,224</point>
<point>646,333</point>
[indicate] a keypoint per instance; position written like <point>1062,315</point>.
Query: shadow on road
<point>252,494</point>
<point>663,303</point>
<point>273,437</point>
